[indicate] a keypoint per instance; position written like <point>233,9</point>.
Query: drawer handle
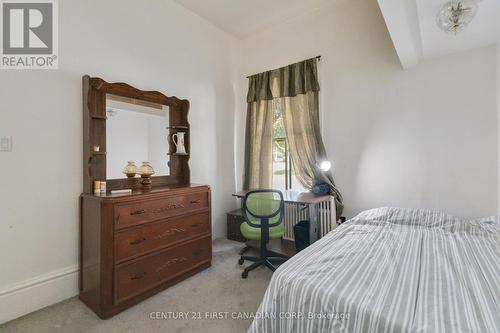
<point>138,212</point>
<point>137,241</point>
<point>195,201</point>
<point>195,225</point>
<point>138,276</point>
<point>197,252</point>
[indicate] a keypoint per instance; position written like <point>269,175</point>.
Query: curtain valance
<point>288,81</point>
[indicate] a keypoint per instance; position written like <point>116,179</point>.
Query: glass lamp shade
<point>456,15</point>
<point>130,169</point>
<point>146,169</point>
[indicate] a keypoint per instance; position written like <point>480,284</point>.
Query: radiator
<point>295,212</point>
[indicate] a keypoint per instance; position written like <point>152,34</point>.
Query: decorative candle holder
<point>130,169</point>
<point>146,171</point>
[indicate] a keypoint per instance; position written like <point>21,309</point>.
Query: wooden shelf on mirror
<point>98,152</point>
<point>179,127</point>
<point>175,154</point>
<point>95,116</point>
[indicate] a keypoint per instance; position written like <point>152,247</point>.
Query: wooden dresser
<point>135,245</point>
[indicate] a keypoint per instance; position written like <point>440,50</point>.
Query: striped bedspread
<point>390,270</point>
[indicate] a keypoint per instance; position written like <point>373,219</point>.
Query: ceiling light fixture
<point>456,15</point>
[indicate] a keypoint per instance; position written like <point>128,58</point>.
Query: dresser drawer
<point>146,211</point>
<point>134,278</point>
<point>137,241</point>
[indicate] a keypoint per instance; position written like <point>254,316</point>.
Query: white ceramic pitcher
<point>178,139</point>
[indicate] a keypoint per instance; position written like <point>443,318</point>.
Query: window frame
<point>288,162</point>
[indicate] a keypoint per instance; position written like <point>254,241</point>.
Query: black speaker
<point>301,233</point>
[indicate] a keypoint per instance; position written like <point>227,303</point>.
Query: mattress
<point>390,270</point>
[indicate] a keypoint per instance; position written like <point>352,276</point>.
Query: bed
<point>390,270</point>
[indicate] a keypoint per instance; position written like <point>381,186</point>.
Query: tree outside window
<point>283,173</point>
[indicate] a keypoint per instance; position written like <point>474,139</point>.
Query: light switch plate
<point>6,143</point>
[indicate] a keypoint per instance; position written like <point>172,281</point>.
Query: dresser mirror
<point>137,131</point>
<point>122,123</point>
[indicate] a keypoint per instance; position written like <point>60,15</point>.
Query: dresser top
<point>143,192</point>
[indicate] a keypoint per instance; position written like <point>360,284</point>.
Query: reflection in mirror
<point>136,131</point>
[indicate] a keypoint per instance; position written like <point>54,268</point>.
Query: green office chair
<point>263,211</point>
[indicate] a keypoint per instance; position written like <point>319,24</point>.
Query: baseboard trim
<point>30,295</point>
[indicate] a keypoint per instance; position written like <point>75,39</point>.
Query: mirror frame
<point>94,134</point>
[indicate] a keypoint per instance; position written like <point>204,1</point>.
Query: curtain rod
<point>317,57</point>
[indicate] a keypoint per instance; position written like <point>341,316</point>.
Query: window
<point>283,173</point>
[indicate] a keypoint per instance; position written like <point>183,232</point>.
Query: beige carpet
<point>217,289</point>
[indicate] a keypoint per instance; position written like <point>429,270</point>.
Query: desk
<point>304,198</point>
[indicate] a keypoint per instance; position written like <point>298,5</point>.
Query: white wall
<point>498,120</point>
<point>153,45</point>
<point>425,137</point>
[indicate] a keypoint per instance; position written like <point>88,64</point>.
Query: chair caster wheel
<point>244,275</point>
<point>240,262</point>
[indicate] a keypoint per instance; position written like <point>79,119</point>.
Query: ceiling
<point>416,36</point>
<point>411,23</point>
<point>241,18</point>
